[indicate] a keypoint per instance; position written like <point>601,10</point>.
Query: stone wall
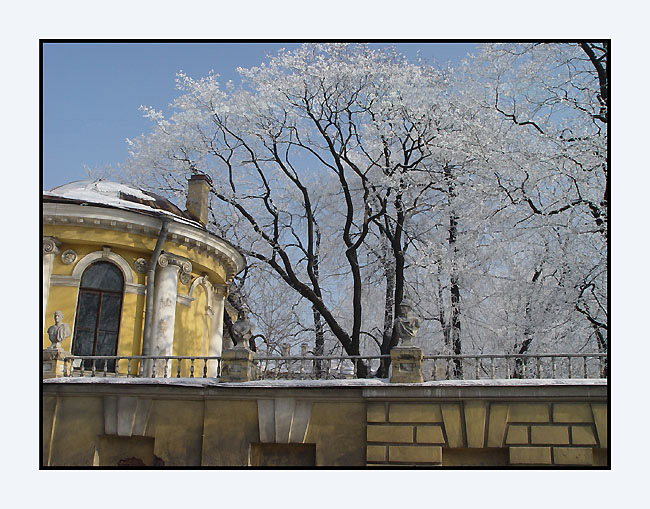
<point>354,423</point>
<point>476,432</point>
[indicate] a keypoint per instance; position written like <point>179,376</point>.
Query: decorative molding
<point>167,259</point>
<point>283,420</point>
<point>181,231</point>
<point>185,278</point>
<point>126,415</point>
<point>68,256</point>
<point>61,280</point>
<point>105,254</point>
<point>51,245</point>
<point>184,300</point>
<point>136,288</point>
<point>141,265</point>
<point>71,281</point>
<point>106,251</point>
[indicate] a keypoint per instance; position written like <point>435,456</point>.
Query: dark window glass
<point>103,276</point>
<point>98,313</point>
<point>87,312</point>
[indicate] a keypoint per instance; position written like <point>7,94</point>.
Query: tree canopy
<point>351,178</point>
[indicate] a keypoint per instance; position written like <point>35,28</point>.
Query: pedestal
<point>406,364</point>
<point>237,365</point>
<point>54,362</point>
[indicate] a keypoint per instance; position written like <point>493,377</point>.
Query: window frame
<point>98,310</point>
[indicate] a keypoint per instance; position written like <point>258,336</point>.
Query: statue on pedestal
<point>406,323</point>
<point>242,329</point>
<point>58,332</point>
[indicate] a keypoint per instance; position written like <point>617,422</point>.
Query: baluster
<point>478,361</point>
<point>192,368</point>
<point>435,371</point>
<point>153,368</point>
<point>584,362</point>
<point>219,367</point>
<point>302,369</point>
<point>539,372</point>
<point>128,367</point>
<point>105,367</point>
<point>553,367</point>
<point>276,370</point>
<point>117,366</point>
<point>178,368</point>
<point>93,368</point>
<point>525,361</point>
<point>507,369</point>
<point>329,368</point>
<point>166,368</point>
<point>81,368</point>
<point>570,372</point>
<point>492,367</point>
<point>205,368</point>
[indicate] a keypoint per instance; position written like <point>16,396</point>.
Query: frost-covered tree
<point>354,178</point>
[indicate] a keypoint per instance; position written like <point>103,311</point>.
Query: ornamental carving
<point>50,245</point>
<point>185,278</point>
<point>140,265</point>
<point>68,256</point>
<point>183,264</point>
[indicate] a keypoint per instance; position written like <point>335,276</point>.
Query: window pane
<point>103,276</point>
<point>83,343</point>
<point>106,343</point>
<point>109,319</point>
<point>87,313</point>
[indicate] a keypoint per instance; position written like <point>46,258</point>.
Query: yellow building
<point>99,239</point>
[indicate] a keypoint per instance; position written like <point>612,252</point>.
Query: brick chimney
<point>198,190</point>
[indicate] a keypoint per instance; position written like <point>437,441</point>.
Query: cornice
<point>142,224</point>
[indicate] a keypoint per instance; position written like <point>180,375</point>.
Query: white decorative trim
<point>50,245</point>
<point>105,254</point>
<point>181,262</point>
<point>142,224</point>
<point>184,300</point>
<point>283,420</point>
<point>68,256</point>
<point>136,288</point>
<point>61,280</point>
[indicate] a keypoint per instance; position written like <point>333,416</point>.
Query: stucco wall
<point>201,422</point>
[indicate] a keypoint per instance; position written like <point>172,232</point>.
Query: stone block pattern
<point>547,433</point>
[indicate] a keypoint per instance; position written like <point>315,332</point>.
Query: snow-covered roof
<point>112,194</point>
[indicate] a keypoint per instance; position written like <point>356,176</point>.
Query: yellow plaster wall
<point>79,420</point>
<point>199,428</point>
<point>230,427</point>
<point>177,426</point>
<point>189,326</point>
<point>338,430</point>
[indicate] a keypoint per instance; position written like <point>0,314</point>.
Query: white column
<point>50,250</point>
<point>215,345</point>
<point>164,318</point>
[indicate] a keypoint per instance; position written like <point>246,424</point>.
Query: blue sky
<point>92,92</point>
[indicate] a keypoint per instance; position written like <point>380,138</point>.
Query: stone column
<point>215,343</point>
<point>164,317</point>
<point>50,250</point>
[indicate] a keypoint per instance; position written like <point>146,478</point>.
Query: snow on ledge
<point>372,382</point>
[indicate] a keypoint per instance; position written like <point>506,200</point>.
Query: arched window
<point>99,308</point>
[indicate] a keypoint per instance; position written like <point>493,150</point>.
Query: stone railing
<point>409,365</point>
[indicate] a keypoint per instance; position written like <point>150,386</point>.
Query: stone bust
<point>58,332</point>
<point>407,323</point>
<point>242,329</point>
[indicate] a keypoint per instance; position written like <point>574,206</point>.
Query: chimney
<point>198,190</point>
